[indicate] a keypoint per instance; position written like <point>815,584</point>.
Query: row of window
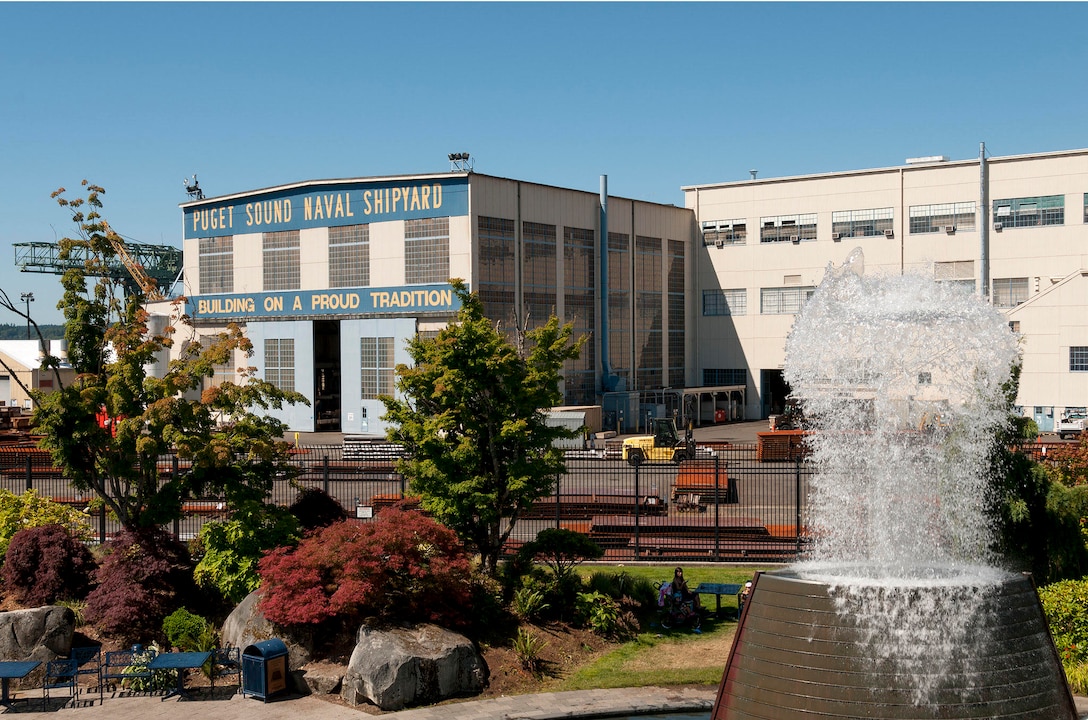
<point>375,363</point>
<point>426,257</point>
<point>874,222</point>
<point>1007,292</point>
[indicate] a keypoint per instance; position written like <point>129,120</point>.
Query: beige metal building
<point>331,277</point>
<point>763,245</point>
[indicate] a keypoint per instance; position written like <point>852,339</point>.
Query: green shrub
<point>527,648</point>
<point>188,632</point>
<point>233,549</point>
<point>1077,676</point>
<point>529,603</point>
<point>623,585</point>
<point>29,510</point>
<point>1066,606</point>
<point>561,550</point>
<point>609,618</point>
<point>159,680</point>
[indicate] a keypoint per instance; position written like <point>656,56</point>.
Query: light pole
<point>27,297</point>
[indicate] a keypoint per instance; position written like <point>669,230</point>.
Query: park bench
<point>121,666</point>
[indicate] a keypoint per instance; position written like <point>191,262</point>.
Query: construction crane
<point>139,267</point>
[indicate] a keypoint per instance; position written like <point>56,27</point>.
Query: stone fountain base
<point>815,648</point>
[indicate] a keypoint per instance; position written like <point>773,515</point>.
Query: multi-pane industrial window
<point>1078,358</point>
<point>217,265</point>
<point>725,302</point>
<point>941,217</point>
<point>580,373</point>
<point>427,250</point>
<point>719,233</point>
<point>1030,211</point>
<point>619,305</point>
<point>1010,292</point>
<point>649,372</point>
<point>783,300</point>
<point>677,313</point>
<point>1086,207</point>
<point>787,228</point>
<point>279,362</point>
<point>956,272</point>
<point>349,256</point>
<point>724,376</point>
<point>376,365</point>
<point>496,284</point>
<point>281,260</point>
<point>862,223</point>
<point>538,272</point>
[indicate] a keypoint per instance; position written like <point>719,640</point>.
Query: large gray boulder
<point>246,625</point>
<point>43,633</point>
<point>397,668</point>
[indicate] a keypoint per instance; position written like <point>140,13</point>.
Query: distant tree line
<point>18,332</point>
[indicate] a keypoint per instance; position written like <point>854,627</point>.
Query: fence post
<point>29,473</point>
<point>638,469</point>
<point>174,469</point>
<point>797,503</point>
<point>717,509</point>
<point>102,524</point>
<point>325,473</point>
<point>558,514</point>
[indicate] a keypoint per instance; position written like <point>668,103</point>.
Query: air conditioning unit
<point>836,237</point>
<point>795,239</point>
<point>889,233</point>
<point>998,226</point>
<point>950,229</point>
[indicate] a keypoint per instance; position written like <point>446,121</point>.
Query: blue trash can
<point>264,669</point>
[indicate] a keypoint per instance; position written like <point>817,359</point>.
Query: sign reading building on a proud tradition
<point>326,205</point>
<point>414,299</point>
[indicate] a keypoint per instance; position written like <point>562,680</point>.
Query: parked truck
<point>1070,426</point>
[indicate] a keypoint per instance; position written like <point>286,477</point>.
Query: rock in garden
<point>43,633</point>
<point>401,667</point>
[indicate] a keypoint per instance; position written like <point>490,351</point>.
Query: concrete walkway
<point>542,706</point>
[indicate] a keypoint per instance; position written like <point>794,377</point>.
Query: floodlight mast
<point>460,162</point>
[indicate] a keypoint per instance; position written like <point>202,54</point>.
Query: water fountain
<point>899,610</point>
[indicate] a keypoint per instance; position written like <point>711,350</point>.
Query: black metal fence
<point>727,504</point>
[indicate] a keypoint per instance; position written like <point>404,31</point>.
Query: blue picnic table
<point>14,670</point>
<point>717,590</point>
<point>179,661</point>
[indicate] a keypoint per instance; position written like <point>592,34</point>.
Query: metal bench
<point>125,665</point>
<point>89,662</point>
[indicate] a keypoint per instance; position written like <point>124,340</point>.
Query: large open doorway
<point>327,375</point>
<point>773,391</point>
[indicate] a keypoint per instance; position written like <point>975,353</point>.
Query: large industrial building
<point>688,309</point>
<point>1014,229</point>
<point>331,278</point>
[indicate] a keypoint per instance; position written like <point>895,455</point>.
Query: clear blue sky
<point>136,97</point>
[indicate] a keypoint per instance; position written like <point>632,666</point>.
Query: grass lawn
<point>667,657</point>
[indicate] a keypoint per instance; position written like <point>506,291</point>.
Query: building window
<point>677,305</point>
<point>1078,358</point>
<point>649,315</point>
<point>281,260</point>
<point>538,272</point>
<point>496,284</point>
<point>787,228</point>
<point>941,217</point>
<point>620,311</point>
<point>862,223</point>
<point>217,265</point>
<point>279,362</point>
<point>1086,207</point>
<point>427,250</point>
<point>956,272</point>
<point>783,300</point>
<point>1014,325</point>
<point>349,256</point>
<point>1010,292</point>
<point>724,376</point>
<point>376,363</point>
<point>725,302</point>
<point>580,374</point>
<point>719,233</point>
<point>1030,211</point>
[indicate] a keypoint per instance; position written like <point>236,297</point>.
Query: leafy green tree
<point>108,428</point>
<point>472,420</point>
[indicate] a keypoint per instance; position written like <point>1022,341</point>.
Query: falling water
<point>901,382</point>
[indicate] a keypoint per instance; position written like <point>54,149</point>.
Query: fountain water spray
<point>898,610</point>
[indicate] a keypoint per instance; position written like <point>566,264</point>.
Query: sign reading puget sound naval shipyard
<point>437,298</point>
<point>326,205</point>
